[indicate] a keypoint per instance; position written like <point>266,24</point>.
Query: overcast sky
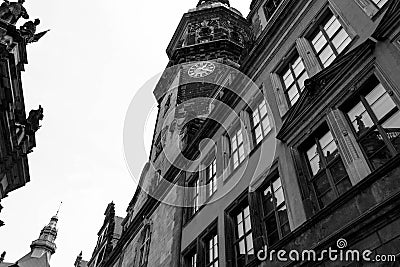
<point>85,73</point>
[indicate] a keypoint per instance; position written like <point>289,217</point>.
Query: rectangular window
<point>212,251</point>
<point>190,258</point>
<point>294,76</point>
<point>375,118</point>
<point>270,7</point>
<point>193,188</point>
<point>243,238</point>
<point>330,40</point>
<point>275,216</point>
<point>211,177</point>
<point>261,124</point>
<point>329,176</point>
<point>237,148</point>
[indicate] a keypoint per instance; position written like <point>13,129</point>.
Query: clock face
<point>201,69</point>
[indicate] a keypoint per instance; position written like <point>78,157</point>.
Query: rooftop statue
<point>35,116</point>
<point>13,11</point>
<point>28,31</point>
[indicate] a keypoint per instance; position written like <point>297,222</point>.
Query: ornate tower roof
<point>213,30</point>
<point>45,243</point>
<point>207,2</point>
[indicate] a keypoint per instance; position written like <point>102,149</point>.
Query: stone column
<point>309,57</point>
<point>279,91</point>
<point>352,156</point>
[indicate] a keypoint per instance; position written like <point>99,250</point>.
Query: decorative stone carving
<point>11,12</point>
<point>35,116</point>
<point>28,31</point>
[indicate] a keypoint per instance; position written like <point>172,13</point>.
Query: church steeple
<point>45,243</point>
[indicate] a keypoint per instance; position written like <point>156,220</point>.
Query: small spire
<point>59,208</point>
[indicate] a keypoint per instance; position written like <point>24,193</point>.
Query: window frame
<point>359,97</point>
<point>231,238</point>
<point>256,108</point>
<point>326,14</point>
<point>193,185</point>
<point>206,239</point>
<point>200,247</point>
<point>325,169</point>
<point>211,180</point>
<point>269,181</point>
<point>188,254</point>
<point>231,135</point>
<point>288,66</point>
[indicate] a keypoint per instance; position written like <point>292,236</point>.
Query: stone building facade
<point>301,154</point>
<point>17,129</point>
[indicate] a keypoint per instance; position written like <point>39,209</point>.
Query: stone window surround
<point>326,165</point>
<point>230,225</point>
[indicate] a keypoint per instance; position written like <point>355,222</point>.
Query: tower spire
<point>45,243</point>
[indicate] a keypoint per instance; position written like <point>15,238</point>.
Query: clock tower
<point>209,37</point>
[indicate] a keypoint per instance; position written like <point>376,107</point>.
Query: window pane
<point>344,186</point>
<point>313,159</point>
<point>380,3</point>
<point>332,26</point>
<point>380,101</point>
<point>302,79</point>
<point>280,198</point>
<point>321,184</point>
<point>268,201</point>
<point>338,171</point>
<point>288,79</point>
<point>249,243</point>
<point>240,229</point>
<point>340,38</point>
<point>283,216</point>
<point>328,146</point>
<point>319,42</point>
<point>271,225</point>
<point>375,148</point>
<point>327,56</point>
<point>247,224</point>
<point>360,118</point>
<point>344,44</point>
<point>292,93</point>
<point>242,247</point>
<point>298,67</point>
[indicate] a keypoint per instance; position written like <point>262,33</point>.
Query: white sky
<point>85,73</point>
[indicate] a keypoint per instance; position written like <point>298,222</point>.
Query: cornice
<point>389,22</point>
